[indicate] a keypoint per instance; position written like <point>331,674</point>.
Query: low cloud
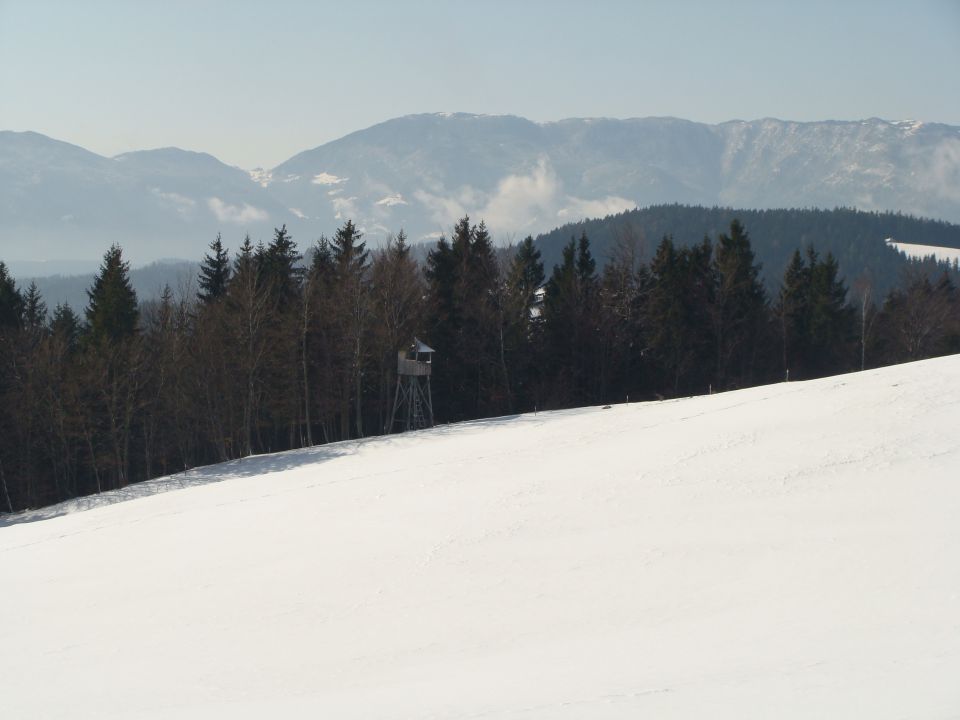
<point>945,170</point>
<point>235,213</point>
<point>182,204</point>
<point>579,208</point>
<point>345,208</point>
<point>521,203</point>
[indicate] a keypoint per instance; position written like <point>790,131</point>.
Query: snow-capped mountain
<point>422,172</point>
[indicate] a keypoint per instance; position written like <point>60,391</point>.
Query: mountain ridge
<point>420,172</point>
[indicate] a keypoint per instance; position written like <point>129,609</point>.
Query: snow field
<point>788,551</point>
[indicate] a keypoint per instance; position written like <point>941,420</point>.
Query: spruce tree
<point>739,308</point>
<point>34,311</point>
<point>279,265</point>
<point>112,310</point>
<point>816,323</point>
<point>214,273</point>
<point>11,301</point>
<point>526,271</point>
<point>65,326</point>
<point>245,261</point>
<point>571,330</point>
<point>349,254</point>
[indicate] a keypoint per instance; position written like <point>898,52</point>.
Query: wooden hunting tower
<point>413,403</point>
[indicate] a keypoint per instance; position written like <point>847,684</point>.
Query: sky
<point>253,83</point>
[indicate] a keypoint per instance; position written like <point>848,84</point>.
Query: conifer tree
<point>571,330</point>
<point>11,301</point>
<point>677,315</point>
<point>442,323</point>
<point>816,323</point>
<point>112,312</point>
<point>245,261</point>
<point>65,325</point>
<point>349,256</point>
<point>526,270</point>
<point>214,273</point>
<point>279,266</point>
<point>792,310</point>
<point>34,311</point>
<point>397,296</point>
<point>739,308</point>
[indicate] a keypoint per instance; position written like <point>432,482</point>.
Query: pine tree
<point>832,320</point>
<point>677,315</point>
<point>526,271</point>
<point>214,273</point>
<point>279,266</point>
<point>397,294</point>
<point>739,308</point>
<point>817,325</point>
<point>245,261</point>
<point>34,311</point>
<point>349,255</point>
<point>792,311</point>
<point>112,312</point>
<point>571,329</point>
<point>65,326</point>
<point>11,301</point>
<point>442,324</point>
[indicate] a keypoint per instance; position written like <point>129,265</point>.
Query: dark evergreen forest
<point>283,347</point>
<point>854,238</point>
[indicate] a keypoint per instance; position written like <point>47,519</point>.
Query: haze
<point>254,83</point>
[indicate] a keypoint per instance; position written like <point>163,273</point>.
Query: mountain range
<point>422,172</point>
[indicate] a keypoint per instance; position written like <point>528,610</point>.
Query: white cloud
<point>182,204</point>
<point>944,174</point>
<point>391,200</point>
<point>327,179</point>
<point>298,213</point>
<point>234,213</point>
<point>528,203</point>
<point>580,208</point>
<point>345,208</point>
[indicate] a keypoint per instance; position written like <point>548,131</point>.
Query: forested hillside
<point>855,238</point>
<point>283,348</point>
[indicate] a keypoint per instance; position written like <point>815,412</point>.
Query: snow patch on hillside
<point>326,178</point>
<point>921,251</point>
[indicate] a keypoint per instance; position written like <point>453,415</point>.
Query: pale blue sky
<point>255,82</point>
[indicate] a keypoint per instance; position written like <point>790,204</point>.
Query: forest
<point>854,237</point>
<point>277,349</point>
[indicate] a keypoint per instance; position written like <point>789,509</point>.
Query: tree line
<point>855,238</point>
<point>277,349</point>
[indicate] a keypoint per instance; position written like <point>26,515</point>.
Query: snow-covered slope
<point>921,251</point>
<point>790,551</point>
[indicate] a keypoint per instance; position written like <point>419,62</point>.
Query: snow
<point>262,177</point>
<point>326,178</point>
<point>922,251</point>
<point>787,551</point>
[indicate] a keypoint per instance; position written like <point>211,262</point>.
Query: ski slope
<point>789,551</point>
